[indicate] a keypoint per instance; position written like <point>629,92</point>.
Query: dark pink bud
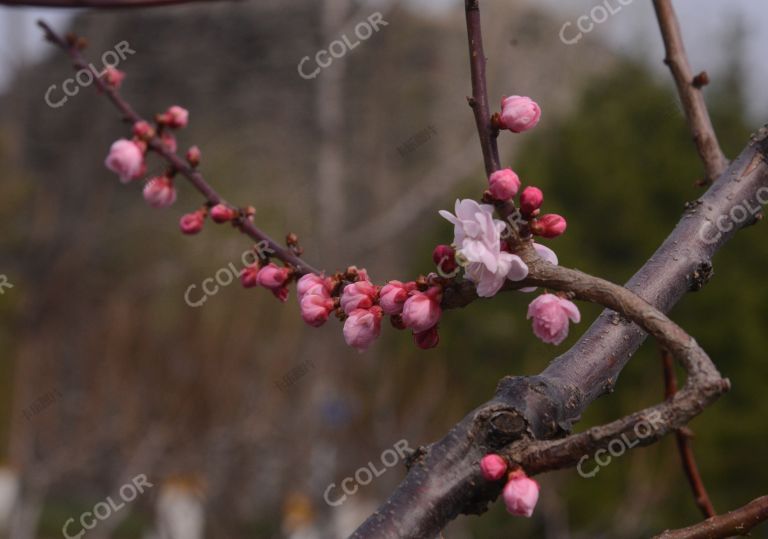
<point>143,130</point>
<point>192,223</point>
<point>493,467</point>
<point>444,257</point>
<point>531,200</point>
<point>193,156</point>
<point>281,293</point>
<point>273,277</point>
<point>221,213</point>
<point>113,77</point>
<point>550,225</point>
<point>421,311</point>
<point>427,339</point>
<point>248,276</point>
<point>175,117</point>
<point>159,192</point>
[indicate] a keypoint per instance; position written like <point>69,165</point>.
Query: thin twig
<point>684,448</point>
<point>479,99</point>
<point>183,168</point>
<point>737,522</point>
<point>689,88</point>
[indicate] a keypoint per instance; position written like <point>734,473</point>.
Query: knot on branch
<point>700,276</point>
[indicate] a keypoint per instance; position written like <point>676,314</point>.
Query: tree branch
<point>737,522</point>
<point>683,438</point>
<point>479,99</point>
<point>690,92</point>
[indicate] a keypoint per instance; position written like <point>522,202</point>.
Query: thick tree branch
<point>479,99</point>
<point>737,522</point>
<point>690,92</point>
<point>683,438</point>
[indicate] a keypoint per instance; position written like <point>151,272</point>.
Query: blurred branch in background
<point>737,522</point>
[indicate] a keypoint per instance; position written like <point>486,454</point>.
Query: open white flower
<point>477,237</point>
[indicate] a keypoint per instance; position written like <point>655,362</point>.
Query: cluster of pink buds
<point>270,276</point>
<point>521,493</point>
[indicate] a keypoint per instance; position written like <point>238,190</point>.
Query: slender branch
<point>683,437</point>
<point>195,178</point>
<point>737,522</point>
<point>104,4</point>
<point>690,92</point>
<point>479,99</point>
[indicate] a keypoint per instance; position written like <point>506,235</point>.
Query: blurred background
<point>241,417</point>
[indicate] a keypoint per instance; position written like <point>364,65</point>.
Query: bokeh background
<point>237,413</point>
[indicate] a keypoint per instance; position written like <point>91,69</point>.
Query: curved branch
<point>737,522</point>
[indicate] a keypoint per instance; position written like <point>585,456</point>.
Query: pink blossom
<point>222,213</point>
<point>312,284</point>
<point>192,223</point>
<point>249,276</point>
<point>550,314</point>
<point>519,113</point>
<point>363,327</point>
<point>176,116</point>
<point>113,77</point>
<point>272,276</point>
<point>550,225</point>
<point>493,467</point>
<point>159,192</point>
<point>359,295</point>
<point>504,184</point>
<point>422,310</point>
<point>531,200</point>
<point>509,266</point>
<point>427,339</point>
<point>393,296</point>
<point>521,494</point>
<point>126,159</point>
<point>315,309</point>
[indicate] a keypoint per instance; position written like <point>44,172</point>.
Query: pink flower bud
<point>493,467</point>
<point>359,295</point>
<point>192,223</point>
<point>363,327</point>
<point>113,77</point>
<point>550,225</point>
<point>193,156</point>
<point>427,339</point>
<point>550,314</point>
<point>521,494</point>
<point>444,257</point>
<point>504,184</point>
<point>393,296</point>
<point>315,309</point>
<point>311,284</point>
<point>222,213</point>
<point>531,200</point>
<point>272,276</point>
<point>126,159</point>
<point>175,117</point>
<point>248,276</point>
<point>159,192</point>
<point>169,141</point>
<point>519,113</point>
<point>422,311</point>
<point>143,130</point>
<point>281,293</point>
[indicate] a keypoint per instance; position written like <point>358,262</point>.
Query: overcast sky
<point>633,28</point>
